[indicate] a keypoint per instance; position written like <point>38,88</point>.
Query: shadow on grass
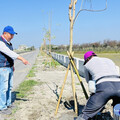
<point>14,93</point>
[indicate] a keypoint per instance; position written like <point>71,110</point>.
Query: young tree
<point>72,17</point>
<point>48,37</point>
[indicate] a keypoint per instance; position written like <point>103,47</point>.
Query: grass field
<point>113,56</point>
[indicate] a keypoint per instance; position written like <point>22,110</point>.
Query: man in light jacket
<point>7,57</point>
<point>103,82</point>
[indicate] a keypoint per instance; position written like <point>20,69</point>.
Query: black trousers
<point>104,92</point>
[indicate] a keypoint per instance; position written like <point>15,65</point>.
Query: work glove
<point>92,86</point>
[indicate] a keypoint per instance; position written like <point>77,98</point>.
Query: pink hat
<point>88,54</point>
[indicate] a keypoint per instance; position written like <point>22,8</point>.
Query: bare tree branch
<point>88,10</point>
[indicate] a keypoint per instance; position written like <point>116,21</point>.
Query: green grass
<point>53,63</point>
<point>113,56</point>
<point>77,83</point>
<point>25,87</point>
<point>32,72</point>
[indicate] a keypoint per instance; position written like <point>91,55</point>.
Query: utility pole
<point>50,22</point>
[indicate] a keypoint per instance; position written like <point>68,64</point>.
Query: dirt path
<point>41,103</point>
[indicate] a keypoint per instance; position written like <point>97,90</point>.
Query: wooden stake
<point>76,71</point>
<point>62,89</point>
<point>74,93</point>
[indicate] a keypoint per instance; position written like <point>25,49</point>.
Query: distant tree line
<point>30,48</point>
<point>105,46</point>
<point>24,49</point>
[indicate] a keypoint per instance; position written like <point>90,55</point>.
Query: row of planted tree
<point>107,46</point>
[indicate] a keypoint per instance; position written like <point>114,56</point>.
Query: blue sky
<point>29,17</point>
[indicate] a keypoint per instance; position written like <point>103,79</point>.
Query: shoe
<point>5,111</point>
<point>11,106</point>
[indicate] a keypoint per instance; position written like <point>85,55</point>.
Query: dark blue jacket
<point>5,60</point>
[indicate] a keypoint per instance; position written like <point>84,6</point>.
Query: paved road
<point>22,70</point>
